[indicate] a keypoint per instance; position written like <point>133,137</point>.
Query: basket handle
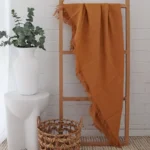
<point>38,121</point>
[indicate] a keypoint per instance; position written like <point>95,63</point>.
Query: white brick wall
<point>140,64</point>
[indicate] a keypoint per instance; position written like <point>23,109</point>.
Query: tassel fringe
<point>66,20</point>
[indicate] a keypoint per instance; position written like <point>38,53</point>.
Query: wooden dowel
<point>122,5</point>
<point>127,73</point>
<point>71,52</point>
<point>67,52</point>
<point>79,98</point>
<point>60,63</point>
<point>76,99</point>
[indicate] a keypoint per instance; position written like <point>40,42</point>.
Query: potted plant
<point>26,39</point>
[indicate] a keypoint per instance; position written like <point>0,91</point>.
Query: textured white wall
<point>3,68</point>
<point>49,63</point>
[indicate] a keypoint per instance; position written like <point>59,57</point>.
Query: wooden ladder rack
<point>127,77</point>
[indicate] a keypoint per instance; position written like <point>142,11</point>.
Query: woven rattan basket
<point>59,135</point>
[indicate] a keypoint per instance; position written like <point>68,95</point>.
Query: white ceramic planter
<point>26,71</point>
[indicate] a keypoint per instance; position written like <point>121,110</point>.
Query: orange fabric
<point>97,43</point>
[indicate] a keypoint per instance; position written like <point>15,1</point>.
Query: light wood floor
<point>136,143</point>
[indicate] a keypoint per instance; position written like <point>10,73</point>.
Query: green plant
<point>25,34</point>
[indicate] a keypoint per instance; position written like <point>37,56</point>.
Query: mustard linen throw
<point>97,42</point>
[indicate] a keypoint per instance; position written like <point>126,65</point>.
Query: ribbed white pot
<point>26,71</point>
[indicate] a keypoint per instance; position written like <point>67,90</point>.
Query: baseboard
<point>133,132</point>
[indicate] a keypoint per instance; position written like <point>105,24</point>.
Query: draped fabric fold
<point>97,42</point>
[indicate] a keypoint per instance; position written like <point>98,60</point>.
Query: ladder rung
<point>122,5</point>
<point>71,52</point>
<point>76,99</point>
<point>79,98</point>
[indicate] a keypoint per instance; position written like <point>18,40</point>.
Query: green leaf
<point>15,16</point>
<point>3,34</point>
<point>12,11</point>
<point>39,31</point>
<point>31,11</point>
<point>5,43</point>
<point>27,32</point>
<point>29,25</point>
<point>17,20</point>
<point>41,42</point>
<point>42,39</point>
<point>18,30</point>
<point>12,38</point>
<point>29,20</point>
<point>25,35</point>
<point>21,43</point>
<point>15,43</point>
<point>42,47</point>
<point>30,15</point>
